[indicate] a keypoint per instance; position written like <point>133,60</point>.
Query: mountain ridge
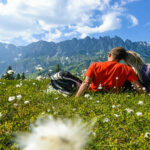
<point>77,51</point>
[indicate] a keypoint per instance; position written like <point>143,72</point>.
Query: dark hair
<point>119,53</point>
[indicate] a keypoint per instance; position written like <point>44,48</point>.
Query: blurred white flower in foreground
<point>140,102</point>
<point>53,134</point>
<point>11,98</point>
<point>0,114</point>
<point>129,110</point>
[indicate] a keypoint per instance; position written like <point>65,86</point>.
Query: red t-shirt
<point>109,75</point>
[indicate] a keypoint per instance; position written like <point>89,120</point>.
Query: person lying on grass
<point>141,69</point>
<point>109,75</point>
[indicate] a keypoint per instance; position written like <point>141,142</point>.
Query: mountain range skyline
<point>74,54</point>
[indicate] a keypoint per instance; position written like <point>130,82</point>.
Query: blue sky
<point>26,21</point>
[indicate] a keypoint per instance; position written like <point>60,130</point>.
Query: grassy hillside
<point>121,120</point>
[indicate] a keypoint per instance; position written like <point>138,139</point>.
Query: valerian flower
<point>140,102</point>
<point>87,95</point>
<point>10,71</point>
<point>113,106</point>
<point>106,120</point>
<point>11,98</point>
<point>116,115</point>
<point>139,113</point>
<point>147,135</point>
<point>26,102</point>
<point>129,110</point>
<point>39,68</point>
<point>19,97</point>
<point>53,134</point>
<point>39,77</point>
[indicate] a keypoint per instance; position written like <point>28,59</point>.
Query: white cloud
<point>133,20</point>
<point>25,18</point>
<point>124,2</point>
<point>52,36</point>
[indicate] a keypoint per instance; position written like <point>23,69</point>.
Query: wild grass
<point>117,126</point>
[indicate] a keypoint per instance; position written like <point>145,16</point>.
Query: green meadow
<point>122,120</point>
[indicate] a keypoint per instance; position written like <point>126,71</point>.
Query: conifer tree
<point>18,77</point>
<point>23,76</point>
<point>57,69</point>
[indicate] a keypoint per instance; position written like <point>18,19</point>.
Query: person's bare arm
<point>85,84</point>
<point>138,86</point>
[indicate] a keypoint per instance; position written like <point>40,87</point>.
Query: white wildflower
<point>87,95</point>
<point>55,135</point>
<point>50,70</point>
<point>10,71</point>
<point>118,105</point>
<point>100,87</point>
<point>113,106</point>
<point>140,102</point>
<point>19,97</point>
<point>91,98</point>
<point>39,68</point>
<point>18,85</point>
<point>139,113</point>
<point>74,109</point>
<point>144,89</point>
<point>106,120</point>
<point>94,134</point>
<point>50,89</point>
<point>147,135</point>
<point>15,104</point>
<point>26,102</point>
<point>98,101</point>
<point>116,115</point>
<point>117,78</point>
<point>11,98</point>
<point>39,77</point>
<point>129,110</point>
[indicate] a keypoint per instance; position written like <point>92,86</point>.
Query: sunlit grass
<point>115,127</point>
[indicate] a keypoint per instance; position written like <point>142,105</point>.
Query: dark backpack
<point>65,82</point>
